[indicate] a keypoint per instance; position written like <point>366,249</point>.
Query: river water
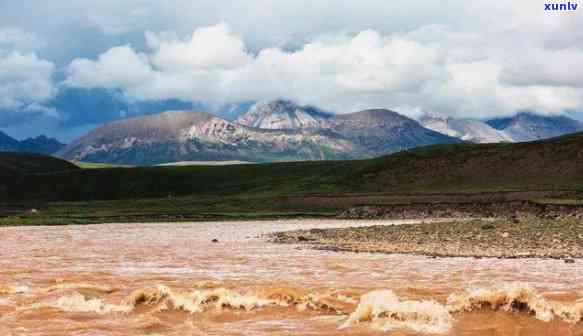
<point>171,279</point>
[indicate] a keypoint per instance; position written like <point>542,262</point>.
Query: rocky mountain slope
<point>519,128</point>
<point>282,114</point>
<point>465,129</point>
<point>288,133</point>
<point>383,131</point>
<point>376,131</point>
<point>199,136</point>
<point>529,126</point>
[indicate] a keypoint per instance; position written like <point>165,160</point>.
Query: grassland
<point>91,165</point>
<point>203,163</point>
<point>162,182</point>
<point>169,209</point>
<point>63,193</point>
<point>19,164</point>
<point>555,164</point>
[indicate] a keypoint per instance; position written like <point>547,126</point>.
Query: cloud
<point>560,67</point>
<point>213,65</point>
<point>287,24</point>
<point>14,38</point>
<point>119,67</point>
<point>193,69</point>
<point>26,81</point>
<point>213,47</point>
<point>433,68</point>
<point>462,58</point>
<point>263,22</point>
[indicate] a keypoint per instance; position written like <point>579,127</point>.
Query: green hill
<point>15,166</point>
<point>555,164</point>
<point>18,164</point>
<point>551,164</point>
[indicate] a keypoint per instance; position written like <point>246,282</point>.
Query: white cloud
<point>458,57</point>
<point>212,65</point>
<point>209,48</point>
<point>429,69</point>
<point>263,22</point>
<point>560,67</point>
<point>14,38</point>
<point>119,67</point>
<point>25,82</point>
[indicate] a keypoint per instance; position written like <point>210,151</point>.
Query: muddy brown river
<point>171,279</point>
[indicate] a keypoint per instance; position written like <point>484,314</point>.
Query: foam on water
<point>380,309</point>
<point>216,299</point>
<point>7,289</point>
<point>514,298</point>
<point>80,286</point>
<point>198,301</point>
<point>385,311</point>
<point>79,303</point>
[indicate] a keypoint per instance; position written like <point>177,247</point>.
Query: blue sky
<point>69,66</point>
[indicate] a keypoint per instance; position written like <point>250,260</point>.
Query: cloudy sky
<point>67,66</point>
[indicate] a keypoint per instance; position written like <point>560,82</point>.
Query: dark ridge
<point>553,164</point>
<point>29,163</point>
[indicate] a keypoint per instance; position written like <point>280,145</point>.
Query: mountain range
<point>521,127</point>
<point>39,145</point>
<point>199,136</point>
<point>281,130</point>
<point>529,126</point>
<point>274,131</point>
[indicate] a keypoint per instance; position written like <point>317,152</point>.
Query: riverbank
<point>526,237</point>
<point>546,204</point>
<point>546,208</point>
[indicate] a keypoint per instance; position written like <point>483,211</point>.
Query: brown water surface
<point>171,279</point>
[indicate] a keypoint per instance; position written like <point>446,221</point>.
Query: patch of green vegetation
<point>200,192</point>
<point>147,182</point>
<point>203,163</point>
<point>543,165</point>
<point>559,201</point>
<point>91,165</point>
<point>158,210</point>
<point>538,165</point>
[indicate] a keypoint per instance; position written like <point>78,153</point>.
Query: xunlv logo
<point>561,7</point>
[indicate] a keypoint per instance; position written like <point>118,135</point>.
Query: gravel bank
<point>503,238</point>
